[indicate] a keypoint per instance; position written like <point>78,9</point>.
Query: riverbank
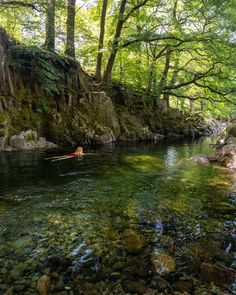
<point>54,97</point>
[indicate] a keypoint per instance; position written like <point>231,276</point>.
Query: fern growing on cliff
<point>45,68</point>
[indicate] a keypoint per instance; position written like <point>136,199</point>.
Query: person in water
<point>78,153</point>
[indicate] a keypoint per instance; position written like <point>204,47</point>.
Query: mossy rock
<point>231,130</point>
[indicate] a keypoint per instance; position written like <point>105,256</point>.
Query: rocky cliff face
<point>52,95</point>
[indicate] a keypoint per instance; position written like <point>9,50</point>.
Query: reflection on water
<point>125,214</point>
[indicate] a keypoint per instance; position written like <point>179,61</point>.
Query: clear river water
<point>138,219</point>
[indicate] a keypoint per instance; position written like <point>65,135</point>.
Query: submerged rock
<point>43,285</point>
<point>134,287</point>
<point>184,286</point>
<point>87,288</point>
<point>132,241</point>
<point>205,250</point>
<point>163,263</point>
<point>201,159</point>
<point>216,274</point>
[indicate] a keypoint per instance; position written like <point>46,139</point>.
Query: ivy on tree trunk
<point>50,25</point>
<point>70,36</point>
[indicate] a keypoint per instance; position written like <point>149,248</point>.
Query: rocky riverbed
<point>57,259</point>
<point>138,220</point>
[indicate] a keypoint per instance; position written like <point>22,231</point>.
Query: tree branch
<point>142,3</point>
<point>196,77</point>
<point>211,89</point>
<point>17,3</point>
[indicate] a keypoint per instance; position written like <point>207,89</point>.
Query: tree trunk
<point>70,39</point>
<point>163,80</point>
<point>173,81</point>
<point>50,25</point>
<point>101,40</point>
<point>111,60</point>
<point>191,106</point>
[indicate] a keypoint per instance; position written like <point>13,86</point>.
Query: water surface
<point>108,217</point>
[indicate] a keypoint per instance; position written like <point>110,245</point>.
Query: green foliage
<point>44,67</point>
<point>200,35</point>
<point>24,120</point>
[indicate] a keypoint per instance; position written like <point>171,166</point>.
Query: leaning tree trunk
<point>101,40</point>
<point>163,80</point>
<point>70,37</point>
<point>50,25</point>
<point>111,60</point>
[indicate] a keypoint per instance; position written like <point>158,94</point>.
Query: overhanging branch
<point>16,4</point>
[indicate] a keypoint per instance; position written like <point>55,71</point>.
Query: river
<point>127,219</point>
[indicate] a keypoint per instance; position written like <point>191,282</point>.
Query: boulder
<point>134,287</point>
<point>3,142</point>
<point>51,145</point>
<point>43,285</point>
<point>41,143</point>
<point>107,136</point>
<point>18,142</point>
<point>184,286</point>
<point>29,140</point>
<point>216,274</point>
<point>132,241</point>
<point>163,263</point>
<point>226,147</point>
<point>229,162</point>
<point>103,107</point>
<point>200,159</point>
<point>231,130</point>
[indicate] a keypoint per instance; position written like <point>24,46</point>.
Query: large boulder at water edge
<point>226,151</point>
<point>29,140</point>
<point>225,147</point>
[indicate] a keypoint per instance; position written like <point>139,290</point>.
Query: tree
<point>122,18</point>
<point>70,35</point>
<point>50,25</point>
<point>101,40</point>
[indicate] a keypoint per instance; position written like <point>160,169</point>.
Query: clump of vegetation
<point>45,68</point>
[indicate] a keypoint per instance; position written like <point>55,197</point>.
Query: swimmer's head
<point>79,151</point>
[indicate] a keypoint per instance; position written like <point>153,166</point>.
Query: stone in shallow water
<point>200,159</point>
<point>134,287</point>
<point>216,274</point>
<point>184,286</point>
<point>163,263</point>
<point>159,283</point>
<point>205,250</point>
<point>112,235</point>
<point>132,241</point>
<point>87,288</point>
<point>43,285</point>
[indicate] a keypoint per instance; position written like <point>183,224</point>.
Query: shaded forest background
<point>175,53</point>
